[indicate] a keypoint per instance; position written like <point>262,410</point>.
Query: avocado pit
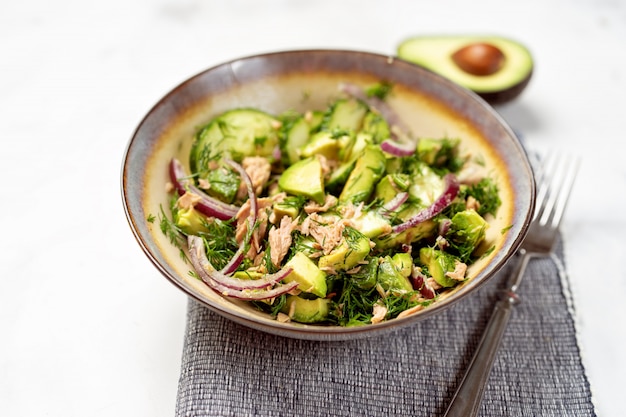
<point>479,59</point>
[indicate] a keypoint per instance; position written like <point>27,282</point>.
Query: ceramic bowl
<point>301,80</point>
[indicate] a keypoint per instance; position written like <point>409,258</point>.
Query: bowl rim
<point>320,332</point>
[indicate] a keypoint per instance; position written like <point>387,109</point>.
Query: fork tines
<point>550,203</point>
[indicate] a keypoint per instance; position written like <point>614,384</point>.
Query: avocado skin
<point>505,96</point>
<point>493,96</point>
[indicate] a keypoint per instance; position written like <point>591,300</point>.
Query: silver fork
<point>555,179</point>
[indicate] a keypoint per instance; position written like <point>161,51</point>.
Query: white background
<point>88,327</point>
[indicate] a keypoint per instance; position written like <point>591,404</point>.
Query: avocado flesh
<point>302,310</point>
<point>190,221</point>
<point>403,262</point>
<point>435,53</point>
<point>347,254</point>
<point>304,271</point>
<point>439,263</point>
<point>390,278</point>
<point>368,170</point>
<point>304,178</point>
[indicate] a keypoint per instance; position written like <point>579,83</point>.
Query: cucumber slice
<point>347,114</point>
<point>237,133</point>
<point>296,137</point>
<point>339,176</point>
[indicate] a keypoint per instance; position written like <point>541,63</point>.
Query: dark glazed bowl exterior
<point>280,81</point>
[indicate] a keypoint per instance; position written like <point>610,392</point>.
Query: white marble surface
<point>89,327</point>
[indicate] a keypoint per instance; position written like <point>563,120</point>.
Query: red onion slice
<point>235,261</point>
<point>444,227</point>
<point>418,280</point>
<point>250,188</point>
<point>207,205</point>
<point>394,203</point>
<point>215,278</point>
<point>444,200</point>
<point>397,148</point>
<point>277,154</point>
<point>253,295</point>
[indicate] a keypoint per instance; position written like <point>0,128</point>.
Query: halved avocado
<point>494,67</point>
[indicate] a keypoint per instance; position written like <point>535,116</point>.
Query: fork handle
<point>468,397</point>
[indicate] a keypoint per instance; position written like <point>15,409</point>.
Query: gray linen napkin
<point>231,370</point>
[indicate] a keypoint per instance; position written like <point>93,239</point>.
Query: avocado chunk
<point>303,310</point>
<point>390,277</point>
<point>390,186</point>
<point>304,271</point>
<point>349,156</point>
<point>290,206</point>
<point>304,178</point>
<point>314,119</point>
<point>223,184</point>
<point>353,249</point>
<point>337,132</point>
<point>496,68</point>
<point>423,230</point>
<point>403,262</point>
<point>368,170</point>
<point>190,221</point>
<point>326,144</point>
<point>376,126</point>
<point>361,141</point>
<point>466,232</point>
<point>438,264</point>
<point>372,224</point>
<point>367,276</point>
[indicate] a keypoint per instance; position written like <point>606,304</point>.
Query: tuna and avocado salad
<point>333,216</point>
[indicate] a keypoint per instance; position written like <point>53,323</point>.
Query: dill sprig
<point>267,260</point>
<point>487,193</point>
<point>396,303</point>
<point>354,302</point>
<point>219,241</point>
<point>380,90</point>
<point>173,232</point>
<point>353,237</point>
<point>272,308</point>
